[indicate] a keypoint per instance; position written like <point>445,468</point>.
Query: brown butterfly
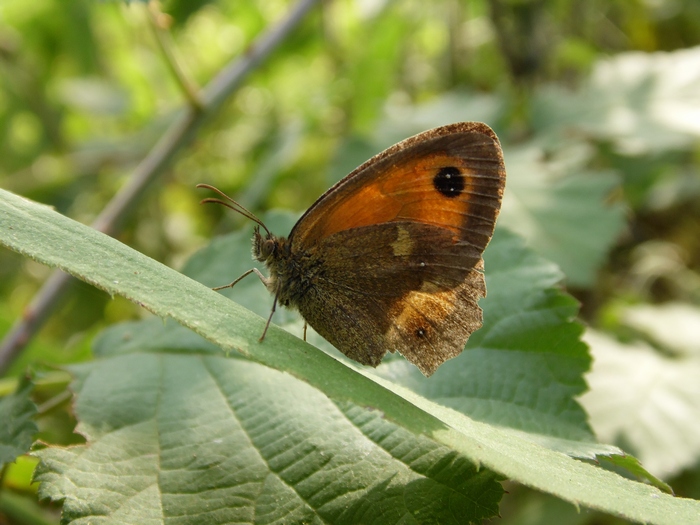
<point>389,258</point>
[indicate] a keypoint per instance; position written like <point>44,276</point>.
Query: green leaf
<point>18,428</point>
<point>229,440</point>
<point>672,326</point>
<point>562,210</point>
<point>646,400</point>
<point>633,465</point>
<point>48,237</point>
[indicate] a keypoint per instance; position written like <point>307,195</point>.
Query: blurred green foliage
<point>590,97</point>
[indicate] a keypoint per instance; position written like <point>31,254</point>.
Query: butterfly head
<point>266,247</point>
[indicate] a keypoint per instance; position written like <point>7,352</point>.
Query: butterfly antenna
<point>233,205</point>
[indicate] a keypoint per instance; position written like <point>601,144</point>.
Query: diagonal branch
<point>179,135</point>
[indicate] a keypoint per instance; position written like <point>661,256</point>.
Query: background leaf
<point>661,430</point>
<point>641,102</point>
<point>562,209</point>
<point>18,429</point>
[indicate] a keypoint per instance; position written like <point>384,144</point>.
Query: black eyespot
<point>449,181</point>
<point>420,332</point>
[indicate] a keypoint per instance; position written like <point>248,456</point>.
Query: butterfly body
<point>389,259</point>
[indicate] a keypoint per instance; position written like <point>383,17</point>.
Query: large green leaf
<point>647,399</point>
<point>46,236</point>
<point>229,440</point>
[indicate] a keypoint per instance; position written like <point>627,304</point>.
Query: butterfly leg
<point>269,319</point>
<point>264,279</point>
<point>234,283</point>
<point>305,325</point>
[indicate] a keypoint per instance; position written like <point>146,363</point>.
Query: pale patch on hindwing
<point>403,245</point>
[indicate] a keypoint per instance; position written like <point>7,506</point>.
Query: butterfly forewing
<point>451,176</point>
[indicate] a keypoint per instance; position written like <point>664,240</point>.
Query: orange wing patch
<point>409,192</point>
<point>414,306</point>
<point>428,327</point>
<point>365,206</point>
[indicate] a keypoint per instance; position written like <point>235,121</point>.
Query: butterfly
<point>389,259</point>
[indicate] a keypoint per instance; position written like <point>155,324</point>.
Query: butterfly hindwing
<point>399,286</point>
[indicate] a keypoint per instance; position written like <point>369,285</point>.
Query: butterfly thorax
<point>289,273</point>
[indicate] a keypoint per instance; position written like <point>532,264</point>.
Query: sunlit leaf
<point>642,102</point>
<point>646,401</point>
<point>674,326</point>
